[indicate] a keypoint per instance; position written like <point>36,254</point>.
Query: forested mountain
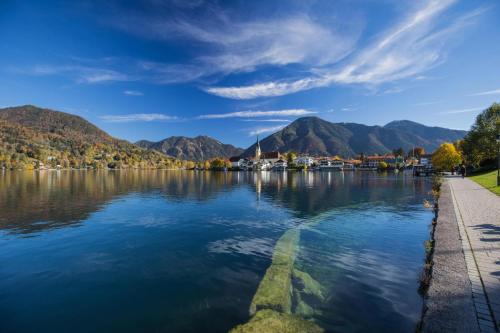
<point>200,148</point>
<point>30,135</point>
<point>319,137</point>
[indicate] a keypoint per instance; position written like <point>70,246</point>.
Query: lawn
<point>488,180</point>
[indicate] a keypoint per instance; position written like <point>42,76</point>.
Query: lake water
<point>185,251</point>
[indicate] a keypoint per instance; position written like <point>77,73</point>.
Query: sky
<point>236,69</point>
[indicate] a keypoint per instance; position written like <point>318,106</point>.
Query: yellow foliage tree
<point>446,157</point>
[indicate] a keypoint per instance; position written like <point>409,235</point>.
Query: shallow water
<point>184,251</point>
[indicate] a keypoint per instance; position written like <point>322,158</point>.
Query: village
<point>276,161</point>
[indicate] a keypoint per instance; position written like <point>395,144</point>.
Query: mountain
<point>319,137</point>
<point>30,135</point>
<point>63,124</point>
<point>200,148</point>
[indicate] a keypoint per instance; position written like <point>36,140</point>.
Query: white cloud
<point>486,93</point>
<point>413,46</point>
<point>268,89</point>
<point>253,114</point>
<point>242,45</point>
<point>461,111</point>
<point>81,74</point>
<point>137,117</point>
<point>133,93</point>
<point>268,120</point>
<point>320,50</point>
<point>262,130</point>
<point>393,90</point>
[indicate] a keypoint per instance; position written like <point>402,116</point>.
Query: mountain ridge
<point>319,137</point>
<point>199,148</point>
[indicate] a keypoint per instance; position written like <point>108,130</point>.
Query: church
<point>260,161</point>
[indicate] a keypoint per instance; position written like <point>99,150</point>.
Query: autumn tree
<point>446,157</point>
<point>416,152</point>
<point>219,164</point>
<point>291,156</point>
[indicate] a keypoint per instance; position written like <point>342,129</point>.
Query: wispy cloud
<point>253,114</point>
<point>133,93</point>
<point>461,110</point>
<point>136,117</point>
<point>262,130</point>
<point>411,47</point>
<point>393,90</point>
<point>268,120</point>
<point>81,74</point>
<point>486,93</point>
<point>313,50</point>
<point>239,44</point>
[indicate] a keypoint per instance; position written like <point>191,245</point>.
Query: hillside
<point>319,137</point>
<point>30,135</point>
<point>200,148</point>
<point>49,121</point>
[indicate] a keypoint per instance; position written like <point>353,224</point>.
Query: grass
<point>488,180</point>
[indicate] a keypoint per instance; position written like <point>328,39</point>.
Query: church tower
<point>257,150</point>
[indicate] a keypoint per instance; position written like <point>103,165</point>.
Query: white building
<point>280,165</point>
<point>425,159</point>
<point>304,160</point>
<point>236,162</point>
<point>331,164</point>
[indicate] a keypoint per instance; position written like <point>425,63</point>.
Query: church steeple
<point>257,150</point>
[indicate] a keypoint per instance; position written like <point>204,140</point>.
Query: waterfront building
<point>304,161</point>
<point>326,163</point>
<point>280,165</point>
<point>425,159</point>
<point>374,161</point>
<point>348,166</point>
<point>236,162</point>
<point>272,156</point>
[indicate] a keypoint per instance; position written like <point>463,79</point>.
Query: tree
<point>479,146</point>
<point>291,156</point>
<point>416,152</point>
<point>382,165</point>
<point>398,152</point>
<point>446,157</point>
<point>219,164</point>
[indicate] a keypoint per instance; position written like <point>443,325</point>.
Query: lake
<point>185,251</point>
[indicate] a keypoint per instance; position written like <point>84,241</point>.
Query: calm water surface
<point>183,251</point>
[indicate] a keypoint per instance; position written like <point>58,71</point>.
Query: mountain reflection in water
<point>185,251</point>
<point>36,201</point>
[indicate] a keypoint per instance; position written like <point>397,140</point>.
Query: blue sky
<point>231,69</point>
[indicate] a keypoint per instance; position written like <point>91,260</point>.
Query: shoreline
<point>455,300</point>
<point>448,303</point>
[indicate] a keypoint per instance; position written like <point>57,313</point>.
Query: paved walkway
<point>477,213</point>
<point>449,306</point>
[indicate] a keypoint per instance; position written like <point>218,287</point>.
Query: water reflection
<point>37,201</point>
<point>183,251</point>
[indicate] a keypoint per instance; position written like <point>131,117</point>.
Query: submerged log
<point>269,321</point>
